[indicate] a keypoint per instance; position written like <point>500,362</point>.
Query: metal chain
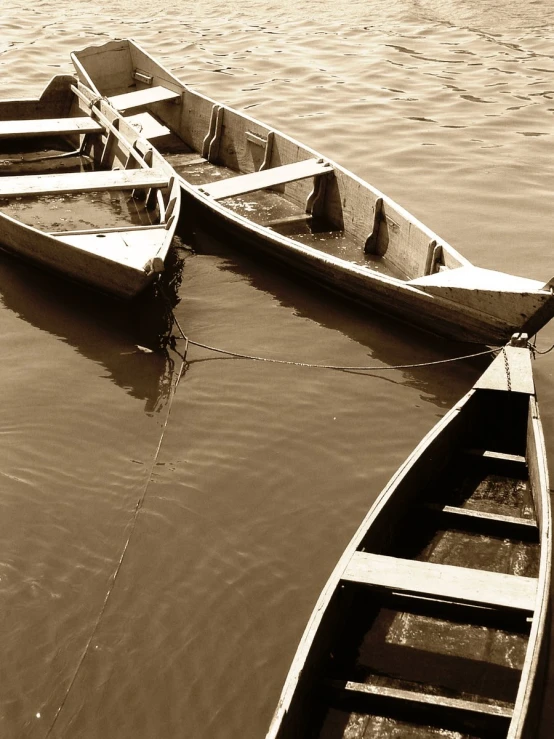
<point>507,366</point>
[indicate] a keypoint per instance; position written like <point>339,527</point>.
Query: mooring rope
<point>345,368</point>
<point>237,355</point>
<point>534,349</point>
<point>136,511</point>
<point>356,368</point>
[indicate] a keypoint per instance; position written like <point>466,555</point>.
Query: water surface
<point>265,470</point>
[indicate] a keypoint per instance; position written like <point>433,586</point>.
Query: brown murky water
<point>265,470</point>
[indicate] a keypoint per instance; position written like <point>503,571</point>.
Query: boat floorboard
<point>80,211</point>
<point>400,648</point>
<point>501,554</point>
<point>59,212</point>
<point>489,484</point>
<point>500,536</point>
<point>345,724</point>
<point>46,159</point>
<point>399,644</point>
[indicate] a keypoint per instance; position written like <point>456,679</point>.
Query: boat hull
<point>122,254</point>
<point>228,142</point>
<point>364,287</point>
<point>424,625</point>
<point>47,252</point>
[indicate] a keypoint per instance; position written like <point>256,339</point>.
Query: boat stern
<point>105,69</point>
<point>519,303</point>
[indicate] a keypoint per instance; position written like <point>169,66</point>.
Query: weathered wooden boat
<point>291,204</point>
<point>433,622</point>
<point>80,193</point>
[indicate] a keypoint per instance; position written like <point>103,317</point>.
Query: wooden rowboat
<point>291,204</point>
<point>433,622</point>
<point>80,193</point>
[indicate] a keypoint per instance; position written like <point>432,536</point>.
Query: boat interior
<point>276,182</point>
<point>427,633</point>
<point>74,176</point>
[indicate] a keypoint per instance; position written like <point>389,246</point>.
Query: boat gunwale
<point>541,614</point>
<point>527,682</point>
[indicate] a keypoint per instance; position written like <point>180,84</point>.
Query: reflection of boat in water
<point>383,341</point>
<point>116,335</point>
<point>65,157</point>
<point>434,621</point>
<point>284,200</point>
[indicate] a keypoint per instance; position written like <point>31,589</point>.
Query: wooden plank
<point>48,127</point>
<point>459,584</point>
<point>300,218</point>
<point>113,128</point>
<point>431,699</point>
<point>146,79</point>
<point>134,248</point>
<point>509,521</point>
<point>194,161</point>
<point>265,178</point>
<point>137,98</point>
<point>114,229</point>
<point>478,278</point>
<point>484,454</point>
<point>108,68</point>
<point>255,139</point>
<point>372,240</point>
<point>513,299</point>
<point>45,184</point>
<point>147,126</point>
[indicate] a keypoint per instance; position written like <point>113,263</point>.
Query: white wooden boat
<point>80,194</point>
<point>433,622</point>
<point>289,203</point>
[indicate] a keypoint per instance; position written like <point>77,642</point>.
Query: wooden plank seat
<point>132,246</point>
<point>503,525</point>
<point>433,700</point>
<point>45,184</point>
<point>138,98</point>
<point>147,125</point>
<point>446,582</point>
<point>484,454</point>
<point>48,127</point>
<point>264,178</point>
<point>527,523</point>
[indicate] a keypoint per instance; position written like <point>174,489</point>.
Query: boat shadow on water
<point>389,341</point>
<point>129,339</point>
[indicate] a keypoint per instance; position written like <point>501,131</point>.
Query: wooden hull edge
<point>53,255</point>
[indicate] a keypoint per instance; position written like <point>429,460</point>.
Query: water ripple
<point>266,470</point>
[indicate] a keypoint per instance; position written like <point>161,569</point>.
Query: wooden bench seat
<point>264,178</point>
<point>147,125</point>
<point>432,700</point>
<point>500,456</point>
<point>446,582</point>
<point>137,98</point>
<point>506,526</point>
<point>48,127</point>
<point>133,247</point>
<point>44,184</point>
